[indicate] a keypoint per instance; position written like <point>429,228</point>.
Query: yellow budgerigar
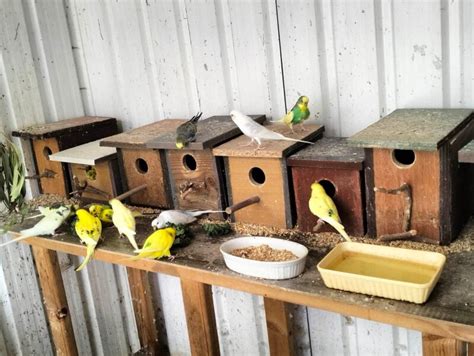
<point>102,211</point>
<point>124,220</point>
<point>324,208</point>
<point>157,245</point>
<point>88,228</point>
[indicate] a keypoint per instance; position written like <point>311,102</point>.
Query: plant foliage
<point>12,177</point>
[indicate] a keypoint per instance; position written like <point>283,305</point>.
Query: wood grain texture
<point>200,318</point>
<point>65,127</point>
<point>138,137</point>
<point>59,183</point>
<point>349,197</point>
<point>143,308</point>
<point>210,132</point>
<point>280,337</point>
<point>272,208</point>
<point>157,193</point>
<point>104,180</point>
<point>369,193</point>
<point>55,300</point>
<point>199,188</point>
<point>434,345</point>
<point>424,178</point>
<point>239,147</point>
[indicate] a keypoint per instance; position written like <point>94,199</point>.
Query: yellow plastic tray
<point>389,272</point>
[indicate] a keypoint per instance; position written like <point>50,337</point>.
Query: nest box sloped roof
<point>414,129</point>
<point>466,154</point>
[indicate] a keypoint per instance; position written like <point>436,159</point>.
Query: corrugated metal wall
<point>142,61</point>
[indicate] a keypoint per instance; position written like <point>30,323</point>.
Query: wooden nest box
<point>143,166</point>
<point>93,170</point>
<point>196,175</point>
<point>466,164</point>
<point>339,168</point>
<point>50,138</point>
<point>263,173</point>
<point>415,181</point>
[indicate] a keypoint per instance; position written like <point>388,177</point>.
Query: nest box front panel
<point>50,185</point>
<point>99,176</point>
<point>344,186</point>
<point>195,179</point>
<point>421,170</point>
<point>144,166</point>
<point>263,178</point>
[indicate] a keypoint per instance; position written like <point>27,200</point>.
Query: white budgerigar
<point>258,132</point>
<point>178,217</point>
<point>52,219</point>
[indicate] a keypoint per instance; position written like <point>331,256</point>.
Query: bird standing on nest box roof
<point>186,132</point>
<point>256,131</point>
<point>324,208</point>
<point>298,114</point>
<point>88,228</point>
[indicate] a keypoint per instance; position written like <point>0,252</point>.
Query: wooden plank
<point>446,312</point>
<point>239,147</point>
<point>55,300</point>
<point>210,132</point>
<point>369,193</point>
<point>280,338</point>
<point>144,313</point>
<point>470,349</point>
<point>59,183</point>
<point>63,127</point>
<point>157,193</point>
<point>329,152</point>
<point>89,153</point>
<point>466,154</point>
<point>414,129</point>
<point>425,193</point>
<point>434,345</point>
<point>200,318</point>
<point>138,137</point>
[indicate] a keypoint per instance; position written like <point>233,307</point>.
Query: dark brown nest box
<point>263,173</point>
<point>142,165</point>
<point>466,164</point>
<point>57,136</point>
<point>196,175</point>
<point>340,170</point>
<point>415,181</point>
<point>93,170</point>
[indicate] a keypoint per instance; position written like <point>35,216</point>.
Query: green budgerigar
<point>298,114</point>
<point>186,132</point>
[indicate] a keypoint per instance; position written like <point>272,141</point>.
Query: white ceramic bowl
<point>262,269</point>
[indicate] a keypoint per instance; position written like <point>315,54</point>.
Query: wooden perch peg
<point>46,174</point>
<point>131,192</point>
<point>401,236</point>
<point>79,189</point>
<point>240,205</point>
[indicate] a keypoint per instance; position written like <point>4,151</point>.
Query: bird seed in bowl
<point>264,253</point>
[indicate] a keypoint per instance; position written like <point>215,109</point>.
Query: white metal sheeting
<point>142,61</point>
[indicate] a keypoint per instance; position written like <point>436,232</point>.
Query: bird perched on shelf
<point>157,245</point>
<point>89,228</point>
<point>256,131</point>
<point>124,220</point>
<point>186,132</point>
<point>179,217</point>
<point>298,114</point>
<point>324,208</point>
<point>102,211</point>
<point>52,219</point>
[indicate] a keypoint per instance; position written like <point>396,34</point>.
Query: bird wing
<point>288,118</point>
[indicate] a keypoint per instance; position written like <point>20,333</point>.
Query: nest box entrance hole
<point>329,187</point>
<point>46,152</point>
<point>403,158</point>
<point>257,176</point>
<point>141,165</point>
<point>189,162</point>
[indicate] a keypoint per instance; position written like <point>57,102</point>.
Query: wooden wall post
<point>143,308</point>
<point>280,338</point>
<point>439,346</point>
<point>200,318</point>
<point>55,301</point>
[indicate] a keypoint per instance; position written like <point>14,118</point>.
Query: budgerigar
<point>186,132</point>
<point>52,219</point>
<point>298,114</point>
<point>102,211</point>
<point>324,208</point>
<point>256,131</point>
<point>157,245</point>
<point>179,217</point>
<point>89,228</point>
<point>124,220</point>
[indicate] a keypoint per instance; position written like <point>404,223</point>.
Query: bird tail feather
<point>200,212</point>
<point>90,252</point>
<point>131,238</point>
<point>340,229</point>
<point>296,140</point>
<point>25,234</point>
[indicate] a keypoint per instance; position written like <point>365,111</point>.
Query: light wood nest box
<point>93,170</point>
<point>143,166</point>
<point>50,138</point>
<point>339,168</point>
<point>196,175</point>
<point>415,181</point>
<point>263,173</point>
